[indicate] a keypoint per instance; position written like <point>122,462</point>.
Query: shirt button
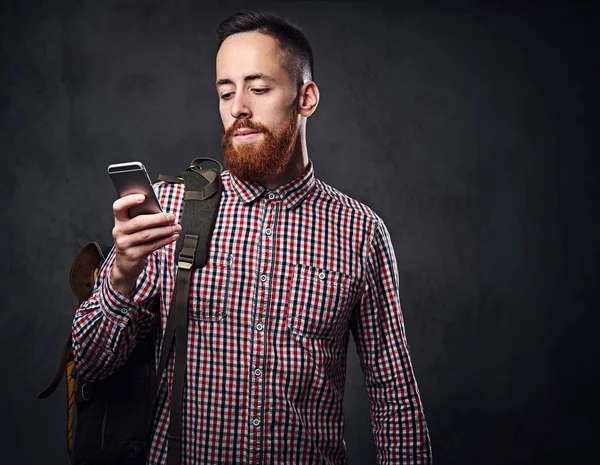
<point>268,231</point>
<point>109,352</point>
<point>257,372</point>
<point>321,275</point>
<point>256,422</point>
<point>124,311</point>
<point>259,326</point>
<point>263,278</point>
<point>271,196</point>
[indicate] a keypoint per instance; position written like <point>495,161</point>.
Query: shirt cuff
<point>115,305</point>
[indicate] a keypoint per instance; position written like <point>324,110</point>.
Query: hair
<point>292,41</point>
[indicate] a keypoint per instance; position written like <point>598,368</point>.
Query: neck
<point>297,166</point>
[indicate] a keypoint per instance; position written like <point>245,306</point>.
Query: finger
<point>140,252</point>
<point>143,222</point>
<point>146,236</point>
<point>122,205</point>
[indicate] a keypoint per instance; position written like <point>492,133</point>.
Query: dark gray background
<point>471,129</point>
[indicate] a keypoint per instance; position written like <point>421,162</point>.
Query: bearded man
<point>294,267</point>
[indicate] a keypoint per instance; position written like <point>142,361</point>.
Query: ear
<point>308,98</point>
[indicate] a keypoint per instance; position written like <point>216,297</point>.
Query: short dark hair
<point>292,40</point>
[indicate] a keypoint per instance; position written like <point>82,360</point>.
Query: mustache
<point>244,124</point>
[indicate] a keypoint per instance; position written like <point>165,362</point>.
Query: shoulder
<point>347,203</point>
<point>376,232</point>
<point>170,195</point>
<point>162,188</point>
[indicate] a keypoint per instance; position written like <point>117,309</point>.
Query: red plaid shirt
<point>290,273</point>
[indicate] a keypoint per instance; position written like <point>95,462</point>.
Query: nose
<point>239,107</point>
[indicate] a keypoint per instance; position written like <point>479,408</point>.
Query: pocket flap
<point>319,302</point>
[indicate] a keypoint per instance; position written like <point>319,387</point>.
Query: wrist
<point>121,283</point>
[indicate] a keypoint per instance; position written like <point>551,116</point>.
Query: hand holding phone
<point>140,227</point>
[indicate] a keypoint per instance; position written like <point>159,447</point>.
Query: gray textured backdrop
<point>470,130</point>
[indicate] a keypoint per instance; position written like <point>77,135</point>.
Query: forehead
<point>249,53</point>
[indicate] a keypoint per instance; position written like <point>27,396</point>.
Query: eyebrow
<point>250,77</point>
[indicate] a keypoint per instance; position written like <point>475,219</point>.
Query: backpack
<point>109,421</point>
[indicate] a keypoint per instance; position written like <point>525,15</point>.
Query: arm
<point>108,325</point>
<point>399,427</point>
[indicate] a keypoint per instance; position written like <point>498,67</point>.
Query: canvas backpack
<point>109,421</point>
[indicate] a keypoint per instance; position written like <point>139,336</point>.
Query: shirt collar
<point>291,194</point>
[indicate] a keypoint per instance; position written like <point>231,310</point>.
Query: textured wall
<point>470,130</point>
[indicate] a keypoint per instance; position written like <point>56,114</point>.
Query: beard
<point>262,160</point>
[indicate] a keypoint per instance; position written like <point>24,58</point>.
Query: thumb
<point>121,206</point>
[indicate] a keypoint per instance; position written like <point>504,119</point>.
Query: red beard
<point>263,160</point>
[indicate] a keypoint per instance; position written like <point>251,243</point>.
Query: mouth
<point>245,135</point>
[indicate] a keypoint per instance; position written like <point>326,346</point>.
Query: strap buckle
<point>184,265</point>
<point>85,397</point>
<point>187,254</point>
<point>185,262</point>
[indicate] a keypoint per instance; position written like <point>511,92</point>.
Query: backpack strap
<point>202,197</point>
<point>169,179</point>
<point>200,207</point>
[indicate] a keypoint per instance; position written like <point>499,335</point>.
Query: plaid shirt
<point>290,273</point>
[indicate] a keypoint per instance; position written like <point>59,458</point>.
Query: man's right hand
<point>135,239</point>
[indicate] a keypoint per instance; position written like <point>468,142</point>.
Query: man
<point>294,266</point>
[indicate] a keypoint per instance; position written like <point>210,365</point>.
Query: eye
<point>260,91</point>
<point>226,96</point>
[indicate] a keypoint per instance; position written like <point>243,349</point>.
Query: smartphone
<point>132,178</point>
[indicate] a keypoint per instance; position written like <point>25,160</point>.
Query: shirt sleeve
<point>107,326</point>
<point>397,417</point>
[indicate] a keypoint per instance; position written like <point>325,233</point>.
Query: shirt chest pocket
<point>319,302</point>
<point>210,289</point>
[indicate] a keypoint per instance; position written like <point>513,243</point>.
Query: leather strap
<point>176,332</point>
<point>181,297</point>
<point>60,370</point>
<point>196,162</point>
<point>170,179</point>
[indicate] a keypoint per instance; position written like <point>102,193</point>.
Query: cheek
<point>282,123</point>
<point>270,110</point>
<point>226,117</point>
<point>274,119</point>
